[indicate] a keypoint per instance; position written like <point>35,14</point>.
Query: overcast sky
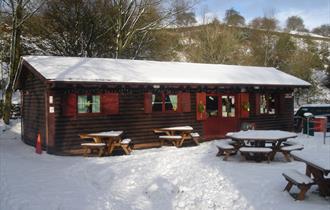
<point>313,12</point>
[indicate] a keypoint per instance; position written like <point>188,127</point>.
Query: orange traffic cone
<point>38,145</point>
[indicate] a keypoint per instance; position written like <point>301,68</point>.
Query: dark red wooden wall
<point>33,110</point>
<point>132,119</point>
<point>282,120</point>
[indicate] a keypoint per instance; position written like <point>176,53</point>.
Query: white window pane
<point>82,104</point>
<point>96,104</point>
<point>157,102</point>
<point>172,103</point>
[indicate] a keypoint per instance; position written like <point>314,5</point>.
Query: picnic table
<point>112,139</point>
<point>259,138</point>
<point>317,166</point>
<point>176,134</point>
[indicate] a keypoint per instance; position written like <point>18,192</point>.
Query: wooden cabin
<point>65,96</point>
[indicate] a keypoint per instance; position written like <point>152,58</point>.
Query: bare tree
<point>184,16</point>
<point>265,37</point>
<point>21,11</point>
<point>134,20</point>
<point>215,44</point>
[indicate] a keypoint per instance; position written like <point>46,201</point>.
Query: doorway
<point>222,115</point>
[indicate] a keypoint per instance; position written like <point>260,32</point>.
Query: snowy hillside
<point>307,34</point>
<point>323,95</point>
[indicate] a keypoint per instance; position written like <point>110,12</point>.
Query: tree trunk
<point>15,52</point>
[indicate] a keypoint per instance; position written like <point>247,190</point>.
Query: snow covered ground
<point>162,178</point>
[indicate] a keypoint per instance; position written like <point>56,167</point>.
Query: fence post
<point>325,129</point>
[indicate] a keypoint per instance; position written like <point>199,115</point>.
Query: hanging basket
<point>246,106</point>
<point>201,107</point>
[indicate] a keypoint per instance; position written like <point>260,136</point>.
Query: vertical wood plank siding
<point>33,111</point>
<point>132,119</point>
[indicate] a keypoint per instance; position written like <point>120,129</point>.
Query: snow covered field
<point>162,178</point>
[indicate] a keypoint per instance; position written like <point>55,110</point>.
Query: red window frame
<point>268,103</point>
<point>163,95</point>
<point>235,105</point>
<point>109,104</point>
<point>89,113</point>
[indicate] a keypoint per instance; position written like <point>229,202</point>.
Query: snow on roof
<point>55,68</point>
<point>315,105</point>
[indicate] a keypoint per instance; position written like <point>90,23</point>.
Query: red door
<point>222,115</point>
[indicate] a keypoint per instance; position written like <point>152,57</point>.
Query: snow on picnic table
<point>161,178</point>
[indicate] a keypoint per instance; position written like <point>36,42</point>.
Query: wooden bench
<point>302,181</point>
<point>287,149</point>
<point>289,143</point>
<point>125,144</point>
<point>93,146</point>
<point>157,132</point>
<point>174,139</point>
<point>256,150</point>
<point>225,148</point>
<point>195,137</point>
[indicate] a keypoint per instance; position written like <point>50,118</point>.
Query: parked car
<point>315,109</point>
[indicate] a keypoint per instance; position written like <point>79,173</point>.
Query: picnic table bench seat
<point>156,131</point>
<point>289,143</point>
<point>125,144</point>
<point>91,146</point>
<point>126,141</point>
<point>175,139</point>
<point>195,137</point>
<point>256,150</point>
<point>293,147</point>
<point>302,181</point>
<point>287,149</point>
<point>225,148</point>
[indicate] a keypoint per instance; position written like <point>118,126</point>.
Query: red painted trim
<point>147,102</point>
<point>70,105</point>
<point>257,104</point>
<point>109,103</point>
<point>200,101</point>
<point>244,99</point>
<point>50,123</point>
<point>163,95</point>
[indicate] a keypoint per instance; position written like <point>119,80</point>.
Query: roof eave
<point>22,63</point>
<point>177,84</point>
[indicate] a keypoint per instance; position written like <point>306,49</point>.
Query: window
<point>164,102</point>
<point>267,104</point>
<point>157,102</point>
<point>228,106</point>
<point>212,105</point>
<point>88,104</point>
